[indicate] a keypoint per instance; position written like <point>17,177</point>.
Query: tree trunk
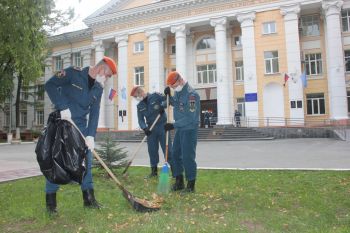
<point>18,97</point>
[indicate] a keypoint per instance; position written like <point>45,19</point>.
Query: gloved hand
<point>101,80</point>
<point>167,91</point>
<point>66,115</point>
<point>147,131</point>
<point>161,111</point>
<point>90,142</point>
<point>168,126</point>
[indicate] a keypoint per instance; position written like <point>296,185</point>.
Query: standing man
<point>76,93</point>
<point>186,104</point>
<point>238,118</point>
<point>148,108</point>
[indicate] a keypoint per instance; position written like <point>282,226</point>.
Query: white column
<point>249,61</point>
<point>122,42</point>
<point>99,53</point>
<point>295,87</point>
<point>223,82</point>
<point>48,106</point>
<point>335,60</point>
<point>86,54</point>
<point>156,60</point>
<point>66,60</point>
<point>180,37</point>
<point>109,105</point>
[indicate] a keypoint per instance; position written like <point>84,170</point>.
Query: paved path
<point>18,161</point>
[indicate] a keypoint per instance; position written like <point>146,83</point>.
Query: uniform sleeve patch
<point>60,74</point>
<point>77,68</point>
<point>192,103</point>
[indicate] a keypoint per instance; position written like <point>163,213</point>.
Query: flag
<point>303,79</point>
<point>112,93</point>
<point>286,77</point>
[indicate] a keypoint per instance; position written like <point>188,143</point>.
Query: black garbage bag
<point>61,151</point>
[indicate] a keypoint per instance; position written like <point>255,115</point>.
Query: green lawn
<point>225,201</point>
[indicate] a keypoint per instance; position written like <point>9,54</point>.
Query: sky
<point>82,9</point>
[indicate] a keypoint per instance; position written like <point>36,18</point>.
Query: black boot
<point>89,199</point>
<point>51,204</point>
<point>190,186</point>
<point>154,173</point>
<point>179,183</point>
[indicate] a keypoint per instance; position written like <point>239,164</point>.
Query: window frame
<point>139,76</point>
<point>207,72</point>
<point>40,93</point>
<point>347,18</point>
<point>239,70</point>
<point>23,118</point>
<point>271,62</point>
<point>269,28</point>
<point>317,62</point>
<point>241,105</point>
<point>39,119</point>
<point>315,19</point>
<point>315,99</point>
<point>173,49</point>
<point>207,44</point>
<point>237,41</point>
<point>58,63</point>
<point>77,59</point>
<point>139,47</point>
<point>346,60</point>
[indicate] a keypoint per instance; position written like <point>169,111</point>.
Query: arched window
<point>206,43</point>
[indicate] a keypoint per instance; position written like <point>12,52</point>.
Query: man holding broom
<point>186,104</point>
<point>149,107</point>
<point>76,93</point>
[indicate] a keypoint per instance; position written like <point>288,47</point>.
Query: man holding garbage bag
<point>76,93</point>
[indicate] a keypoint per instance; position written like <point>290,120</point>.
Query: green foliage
<point>111,153</point>
<point>24,27</point>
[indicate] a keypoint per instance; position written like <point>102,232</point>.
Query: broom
<point>164,185</point>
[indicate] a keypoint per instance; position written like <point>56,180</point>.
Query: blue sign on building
<point>251,97</point>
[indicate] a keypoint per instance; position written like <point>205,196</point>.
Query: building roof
<point>70,37</point>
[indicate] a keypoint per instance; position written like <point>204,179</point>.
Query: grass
<point>225,201</point>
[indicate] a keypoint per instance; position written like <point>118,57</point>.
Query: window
<point>40,92</point>
<point>296,104</point>
<point>315,104</point>
<point>23,118</point>
<point>345,19</point>
<point>39,117</point>
<point>271,62</point>
<point>77,59</point>
<point>348,101</point>
<point>206,43</point>
<point>139,74</point>
<point>7,118</point>
<point>25,92</point>
<point>58,63</point>
<point>241,106</point>
<point>310,25</point>
<point>238,41</point>
<point>313,64</point>
<point>173,49</point>
<point>206,74</point>
<point>347,60</point>
<point>239,70</point>
<point>138,47</point>
<point>269,28</point>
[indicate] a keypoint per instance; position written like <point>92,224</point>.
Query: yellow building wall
<point>270,42</point>
<point>136,60</point>
<point>71,46</point>
<point>236,52</point>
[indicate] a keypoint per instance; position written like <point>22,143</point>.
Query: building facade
<point>278,62</point>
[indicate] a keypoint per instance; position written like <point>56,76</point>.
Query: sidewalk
<point>19,174</point>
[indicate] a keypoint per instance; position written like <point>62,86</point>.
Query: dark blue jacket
<point>69,88</point>
<point>148,110</point>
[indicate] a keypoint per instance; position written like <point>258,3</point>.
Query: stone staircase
<point>223,133</point>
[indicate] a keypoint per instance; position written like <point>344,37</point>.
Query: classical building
<point>279,62</point>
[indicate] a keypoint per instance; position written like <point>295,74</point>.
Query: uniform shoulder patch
<point>192,102</point>
<point>77,68</point>
<point>60,74</point>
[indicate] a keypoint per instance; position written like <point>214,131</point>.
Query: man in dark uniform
<point>238,118</point>
<point>76,93</point>
<point>186,104</point>
<point>148,108</point>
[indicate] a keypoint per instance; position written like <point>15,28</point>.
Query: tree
<point>25,25</point>
<point>111,153</point>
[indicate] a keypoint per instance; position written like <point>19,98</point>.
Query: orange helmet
<point>133,91</point>
<point>111,64</point>
<point>172,78</point>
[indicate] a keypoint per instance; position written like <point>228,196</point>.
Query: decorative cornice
<point>332,7</point>
<point>180,30</point>
<point>246,19</point>
<point>71,50</point>
<point>290,12</point>
<point>154,34</point>
<point>70,37</point>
